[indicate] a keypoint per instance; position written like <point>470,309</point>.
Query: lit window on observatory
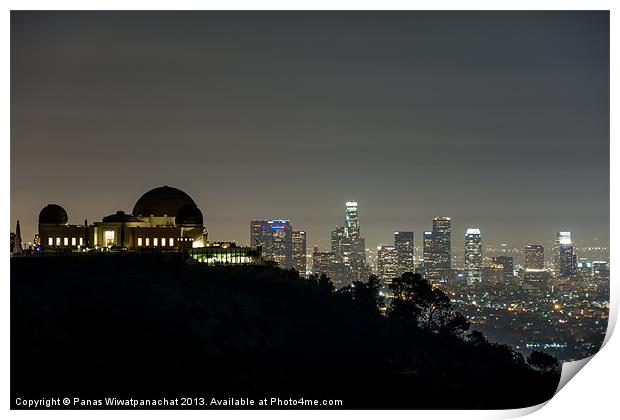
<point>108,238</point>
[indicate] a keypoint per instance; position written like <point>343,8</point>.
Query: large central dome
<point>161,201</point>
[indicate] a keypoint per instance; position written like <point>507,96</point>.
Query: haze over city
<point>499,120</point>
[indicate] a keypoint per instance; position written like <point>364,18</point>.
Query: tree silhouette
<point>417,301</point>
<point>366,294</point>
<point>476,338</point>
<point>325,283</point>
<point>455,324</point>
<point>543,361</point>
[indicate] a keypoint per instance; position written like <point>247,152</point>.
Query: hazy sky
<point>499,120</point>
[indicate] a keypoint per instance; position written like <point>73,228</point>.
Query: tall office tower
<point>427,252</point>
<point>473,256</point>
<point>341,272</point>
<point>437,257</point>
<point>351,220</point>
<point>299,251</point>
<point>387,263</point>
<point>564,258</point>
<point>534,257</point>
<point>337,242</point>
<point>403,242</point>
<point>507,263</point>
<point>568,260</point>
<point>442,234</point>
<point>276,239</point>
<point>324,262</point>
<point>561,238</point>
<point>353,245</point>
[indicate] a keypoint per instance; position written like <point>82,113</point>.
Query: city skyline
<point>498,120</point>
<point>326,243</point>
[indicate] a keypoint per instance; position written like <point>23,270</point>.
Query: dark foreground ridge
<point>143,327</point>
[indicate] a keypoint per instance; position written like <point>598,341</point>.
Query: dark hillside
<point>140,326</point>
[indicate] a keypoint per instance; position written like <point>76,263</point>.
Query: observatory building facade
<point>164,218</point>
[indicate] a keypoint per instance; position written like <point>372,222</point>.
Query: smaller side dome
<point>53,214</point>
<point>189,214</point>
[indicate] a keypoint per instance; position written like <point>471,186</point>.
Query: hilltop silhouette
<point>147,326</point>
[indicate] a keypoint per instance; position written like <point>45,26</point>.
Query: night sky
<point>499,120</point>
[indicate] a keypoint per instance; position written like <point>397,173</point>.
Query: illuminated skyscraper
<point>534,257</point>
<point>403,242</point>
<point>299,251</point>
<point>427,251</point>
<point>324,262</point>
<point>276,239</point>
<point>387,263</point>
<point>564,258</point>
<point>351,220</point>
<point>561,238</point>
<point>353,245</point>
<point>568,260</point>
<point>473,256</point>
<point>437,251</point>
<point>337,242</point>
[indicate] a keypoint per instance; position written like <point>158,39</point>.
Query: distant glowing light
<point>565,238</point>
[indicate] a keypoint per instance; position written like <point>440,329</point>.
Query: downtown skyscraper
<point>387,263</point>
<point>437,251</point>
<point>473,256</point>
<point>405,255</point>
<point>534,257</point>
<point>564,259</point>
<point>299,251</point>
<point>276,239</point>
<point>337,241</point>
<point>348,252</point>
<point>324,262</point>
<point>353,253</point>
